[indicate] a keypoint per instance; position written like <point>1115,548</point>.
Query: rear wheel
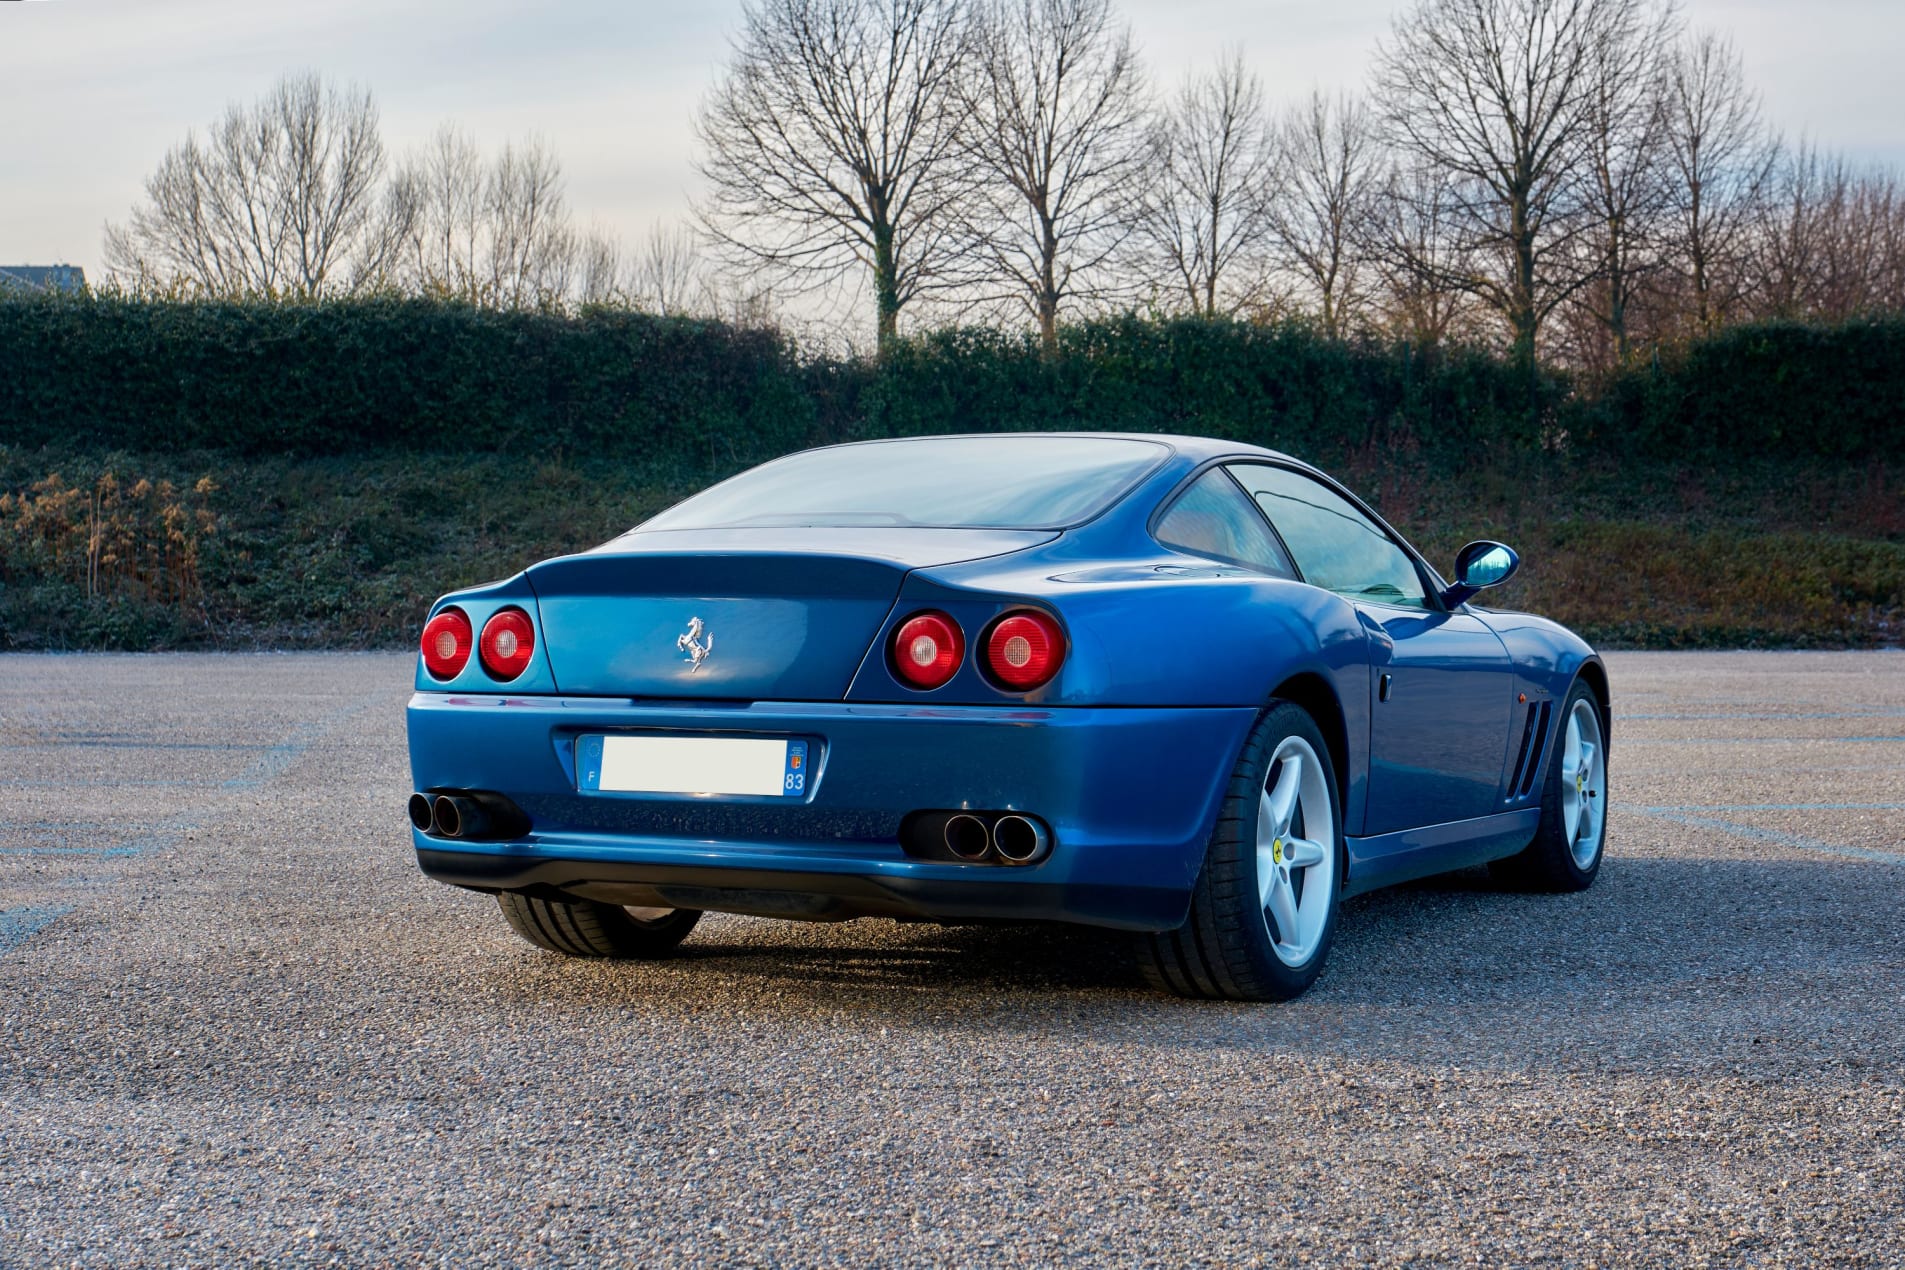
<point>582,928</point>
<point>1566,852</point>
<point>1263,912</point>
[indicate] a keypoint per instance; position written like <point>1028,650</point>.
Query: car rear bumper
<point>1130,795</point>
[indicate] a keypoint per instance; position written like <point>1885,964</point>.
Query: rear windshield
<point>997,482</point>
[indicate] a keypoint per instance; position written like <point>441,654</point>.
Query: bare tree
<point>1329,171</point>
<point>444,183</point>
<point>1497,93</point>
<point>1059,124</point>
<point>832,144</point>
<point>1627,191</point>
<point>1870,253</point>
<point>599,271</point>
<point>1201,220</point>
<point>1415,255</point>
<point>495,232</point>
<point>1720,160</point>
<point>532,250</point>
<point>281,198</point>
<point>668,275</point>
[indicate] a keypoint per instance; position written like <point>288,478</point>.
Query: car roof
<point>1195,448</point>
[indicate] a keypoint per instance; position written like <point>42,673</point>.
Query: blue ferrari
<point>1186,688</point>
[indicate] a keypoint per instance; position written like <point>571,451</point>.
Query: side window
<point>1214,518</point>
<point>1335,545</point>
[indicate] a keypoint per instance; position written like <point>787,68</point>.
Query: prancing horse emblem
<point>692,644</point>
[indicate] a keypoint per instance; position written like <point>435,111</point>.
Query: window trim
<point>1165,507</point>
<point>1425,572</point>
<point>1166,450</point>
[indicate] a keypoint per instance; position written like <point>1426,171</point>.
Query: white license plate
<point>691,765</point>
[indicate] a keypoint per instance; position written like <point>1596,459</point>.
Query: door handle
<point>1382,686</point>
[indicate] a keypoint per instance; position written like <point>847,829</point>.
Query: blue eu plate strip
<point>588,764</point>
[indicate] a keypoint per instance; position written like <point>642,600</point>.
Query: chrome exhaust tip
<point>1020,839</point>
<point>967,838</point>
<point>420,812</point>
<point>457,817</point>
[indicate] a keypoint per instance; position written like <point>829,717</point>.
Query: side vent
<point>1536,745</point>
<point>1534,736</point>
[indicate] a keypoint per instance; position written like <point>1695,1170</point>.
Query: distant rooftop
<point>41,277</point>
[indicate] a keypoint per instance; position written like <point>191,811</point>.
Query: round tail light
<point>447,642</point>
<point>1024,649</point>
<point>508,641</point>
<point>927,649</point>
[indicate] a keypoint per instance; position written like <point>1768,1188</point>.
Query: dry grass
<point>349,552</point>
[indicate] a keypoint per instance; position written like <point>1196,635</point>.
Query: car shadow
<point>1030,957</point>
<point>1664,963</point>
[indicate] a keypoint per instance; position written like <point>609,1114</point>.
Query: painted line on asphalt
<point>111,783</point>
<point>64,743</point>
<point>1693,807</point>
<point>1877,712</point>
<point>1754,740</point>
<point>1757,834</point>
<point>103,853</point>
<point>17,925</point>
<point>273,762</point>
<point>162,835</point>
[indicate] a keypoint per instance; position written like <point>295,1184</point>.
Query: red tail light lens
<point>508,642</point>
<point>1024,649</point>
<point>447,640</point>
<point>927,649</point>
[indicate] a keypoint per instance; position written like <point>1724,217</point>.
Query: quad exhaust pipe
<point>459,817</point>
<point>472,814</point>
<point>967,837</point>
<point>975,838</point>
<point>1020,839</point>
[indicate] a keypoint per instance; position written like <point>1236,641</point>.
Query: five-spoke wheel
<point>1264,907</point>
<point>1583,783</point>
<point>1566,851</point>
<point>1296,835</point>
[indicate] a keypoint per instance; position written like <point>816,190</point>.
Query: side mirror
<point>1479,565</point>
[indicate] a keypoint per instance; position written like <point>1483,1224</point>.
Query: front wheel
<point>583,928</point>
<point>1566,852</point>
<point>1264,908</point>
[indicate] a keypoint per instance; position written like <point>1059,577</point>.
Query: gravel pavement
<point>237,1026</point>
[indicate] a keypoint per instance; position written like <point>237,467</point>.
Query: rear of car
<point>841,684</point>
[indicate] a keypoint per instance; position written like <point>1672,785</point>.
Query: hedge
<point>335,378</point>
<point>1782,389</point>
<point>340,377</point>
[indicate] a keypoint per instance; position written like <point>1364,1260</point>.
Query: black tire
<point>1223,950</point>
<point>1548,863</point>
<point>582,928</point>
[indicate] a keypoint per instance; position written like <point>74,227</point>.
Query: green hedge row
<point>1286,387</point>
<point>337,378</point>
<point>1785,389</point>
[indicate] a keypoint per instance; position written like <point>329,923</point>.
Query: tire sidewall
<point>1280,721</point>
<point>1554,825</point>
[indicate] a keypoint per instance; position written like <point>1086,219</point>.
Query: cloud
<point>109,85</point>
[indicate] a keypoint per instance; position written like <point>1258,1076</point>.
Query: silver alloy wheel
<point>1583,784</point>
<point>1296,851</point>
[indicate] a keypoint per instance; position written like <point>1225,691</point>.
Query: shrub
<point>112,539</point>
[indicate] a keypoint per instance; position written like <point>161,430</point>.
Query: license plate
<point>691,765</point>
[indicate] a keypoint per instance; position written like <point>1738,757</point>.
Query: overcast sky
<point>94,91</point>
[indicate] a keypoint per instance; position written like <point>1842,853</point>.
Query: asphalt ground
<point>237,1026</point>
